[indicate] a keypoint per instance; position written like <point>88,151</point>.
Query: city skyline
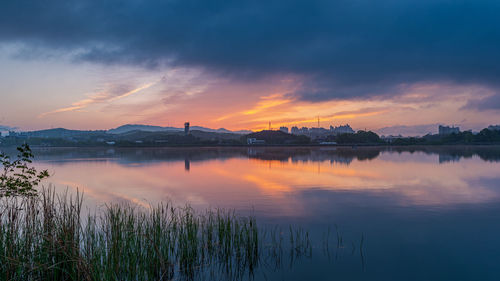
<point>390,132</point>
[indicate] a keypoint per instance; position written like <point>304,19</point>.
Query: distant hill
<point>145,128</point>
<point>221,130</point>
<point>62,133</point>
<point>202,135</point>
<point>416,130</point>
<point>148,128</point>
<point>161,138</point>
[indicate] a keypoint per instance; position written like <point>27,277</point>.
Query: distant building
<point>446,130</point>
<point>318,133</point>
<point>284,129</point>
<point>494,127</point>
<point>342,129</point>
<point>255,141</point>
<point>186,128</point>
<point>391,138</point>
<point>23,135</point>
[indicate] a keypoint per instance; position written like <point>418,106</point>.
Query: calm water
<point>424,214</point>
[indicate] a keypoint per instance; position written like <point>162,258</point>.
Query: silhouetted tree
<point>17,178</point>
<point>359,137</point>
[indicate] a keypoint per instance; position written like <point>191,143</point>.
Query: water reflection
<point>426,213</point>
<point>333,154</point>
<point>274,178</point>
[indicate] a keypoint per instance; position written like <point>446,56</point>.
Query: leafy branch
<point>17,178</point>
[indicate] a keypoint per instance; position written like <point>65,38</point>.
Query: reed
<point>46,238</point>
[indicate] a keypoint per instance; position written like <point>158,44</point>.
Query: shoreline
<point>353,146</point>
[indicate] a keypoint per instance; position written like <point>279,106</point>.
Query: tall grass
<point>46,238</point>
<point>49,238</point>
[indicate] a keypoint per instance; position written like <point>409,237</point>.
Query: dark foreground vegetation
<point>47,237</point>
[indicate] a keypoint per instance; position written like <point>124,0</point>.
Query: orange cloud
<point>265,103</point>
<point>343,115</point>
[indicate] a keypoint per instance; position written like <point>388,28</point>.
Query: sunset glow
<point>217,79</point>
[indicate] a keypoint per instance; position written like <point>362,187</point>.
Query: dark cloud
<point>343,49</point>
<point>488,103</point>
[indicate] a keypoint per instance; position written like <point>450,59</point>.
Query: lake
<point>373,213</point>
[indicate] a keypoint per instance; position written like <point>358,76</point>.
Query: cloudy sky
<point>97,64</point>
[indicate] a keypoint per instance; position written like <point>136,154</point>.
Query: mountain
<point>146,128</point>
<point>417,130</point>
<point>62,133</point>
<point>149,128</point>
<point>220,130</point>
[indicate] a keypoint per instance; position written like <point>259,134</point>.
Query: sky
<point>393,66</point>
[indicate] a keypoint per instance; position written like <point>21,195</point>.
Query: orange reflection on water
<point>278,186</point>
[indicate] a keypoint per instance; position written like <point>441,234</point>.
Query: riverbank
<point>351,145</point>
